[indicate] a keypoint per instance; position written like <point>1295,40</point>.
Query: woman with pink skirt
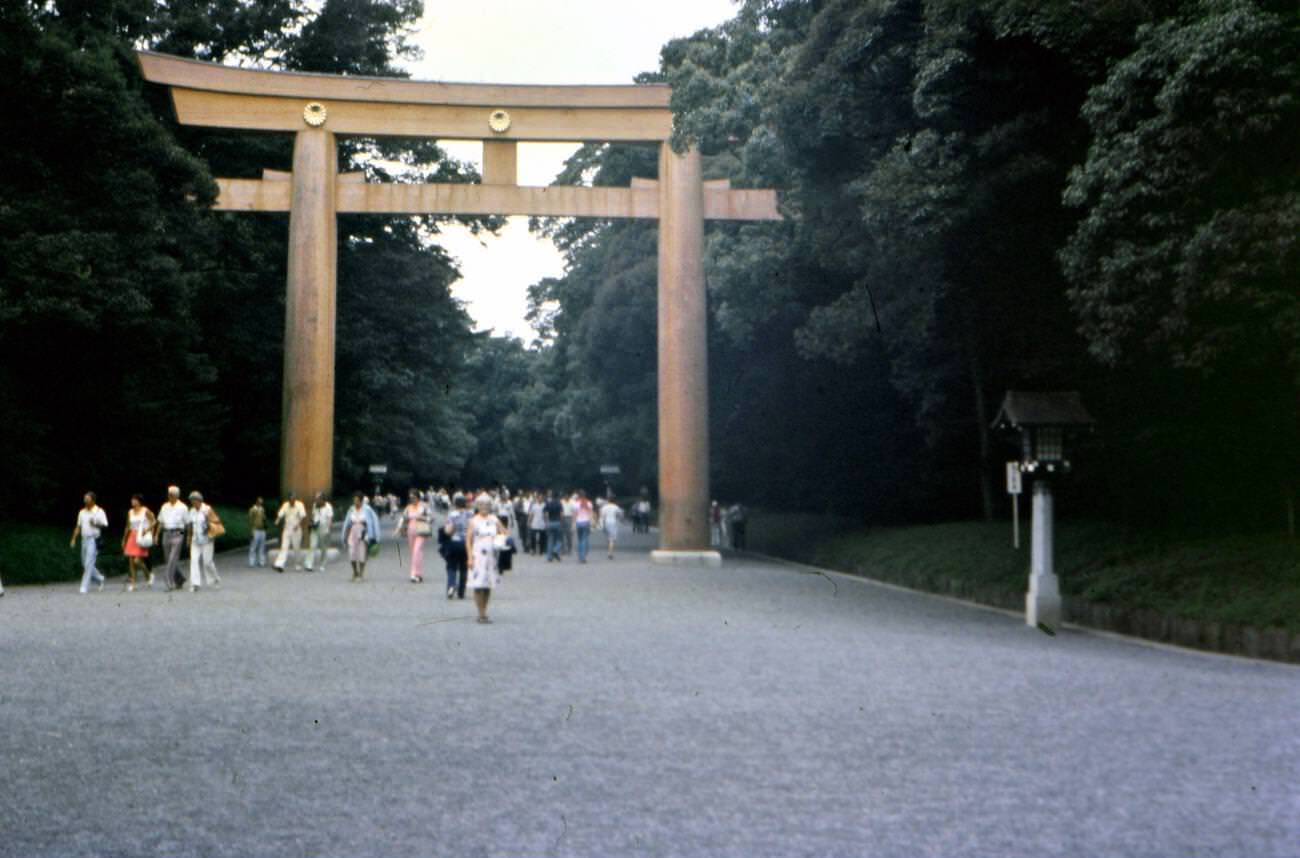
<point>416,525</point>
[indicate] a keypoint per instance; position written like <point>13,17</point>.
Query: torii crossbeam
<point>317,107</point>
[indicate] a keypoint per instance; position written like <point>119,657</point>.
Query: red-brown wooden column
<point>307,443</point>
<point>683,363</point>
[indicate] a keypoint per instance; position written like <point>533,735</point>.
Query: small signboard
<point>378,470</point>
<point>1013,478</point>
<point>1013,489</point>
<point>611,470</point>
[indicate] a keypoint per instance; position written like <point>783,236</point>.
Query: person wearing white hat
<point>202,568</point>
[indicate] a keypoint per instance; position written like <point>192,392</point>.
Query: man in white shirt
<point>322,519</point>
<point>290,518</point>
<point>173,518</point>
<point>90,521</point>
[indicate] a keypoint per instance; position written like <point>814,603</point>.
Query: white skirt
<point>483,568</point>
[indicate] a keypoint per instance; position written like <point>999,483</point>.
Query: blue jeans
<point>457,566</point>
<point>554,540</point>
<point>257,549</point>
<point>584,540</point>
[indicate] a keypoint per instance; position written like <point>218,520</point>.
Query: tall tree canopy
<point>980,195</point>
<point>157,324</point>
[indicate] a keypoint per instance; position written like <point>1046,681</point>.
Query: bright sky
<point>538,41</point>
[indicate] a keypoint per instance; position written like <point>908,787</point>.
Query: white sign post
<point>1013,489</point>
<point>377,473</point>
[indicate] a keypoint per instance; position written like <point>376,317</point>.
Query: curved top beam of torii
<point>220,96</point>
<point>228,97</point>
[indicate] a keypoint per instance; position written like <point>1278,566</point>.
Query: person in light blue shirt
<point>360,531</point>
<point>457,558</point>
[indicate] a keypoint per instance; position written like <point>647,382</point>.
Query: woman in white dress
<point>481,544</point>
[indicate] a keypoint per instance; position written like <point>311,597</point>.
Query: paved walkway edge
<point>1019,615</point>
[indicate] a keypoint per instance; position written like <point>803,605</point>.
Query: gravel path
<point>620,709</point>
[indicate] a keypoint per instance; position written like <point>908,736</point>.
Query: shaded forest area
<point>979,195</point>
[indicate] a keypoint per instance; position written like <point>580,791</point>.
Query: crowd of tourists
<point>477,535</point>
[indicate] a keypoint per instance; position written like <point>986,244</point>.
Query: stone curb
<point>1135,625</point>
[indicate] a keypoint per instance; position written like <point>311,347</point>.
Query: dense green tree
<point>1187,250</point>
<point>922,151</point>
<point>401,337</point>
<point>1191,192</point>
<point>923,148</point>
<point>979,195</point>
<point>105,245</point>
<point>162,320</point>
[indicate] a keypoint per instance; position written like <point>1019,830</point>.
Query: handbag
<point>423,528</point>
<point>215,527</point>
<point>144,539</point>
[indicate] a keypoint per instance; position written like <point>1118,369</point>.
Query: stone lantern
<point>1044,421</point>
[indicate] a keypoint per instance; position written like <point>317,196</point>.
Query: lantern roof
<point>1024,408</point>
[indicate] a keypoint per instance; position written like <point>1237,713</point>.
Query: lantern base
<point>1043,602</point>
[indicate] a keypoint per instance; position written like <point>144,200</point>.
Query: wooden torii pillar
<point>317,107</point>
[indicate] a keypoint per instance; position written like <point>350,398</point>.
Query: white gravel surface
<point>620,708</point>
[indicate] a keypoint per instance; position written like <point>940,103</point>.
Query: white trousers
<point>290,540</point>
<point>202,570</point>
<point>318,543</point>
<point>89,553</point>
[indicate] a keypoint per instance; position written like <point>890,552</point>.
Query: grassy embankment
<point>39,554</point>
<point>1249,580</point>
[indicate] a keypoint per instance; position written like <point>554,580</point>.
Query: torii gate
<point>316,107</point>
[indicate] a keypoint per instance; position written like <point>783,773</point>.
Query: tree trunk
<point>1288,503</point>
<point>1289,486</point>
<point>982,425</point>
